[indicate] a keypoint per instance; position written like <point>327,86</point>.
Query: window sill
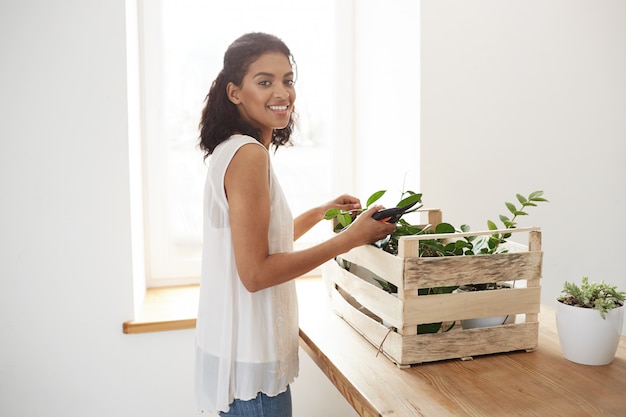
<point>171,308</point>
<point>166,308</point>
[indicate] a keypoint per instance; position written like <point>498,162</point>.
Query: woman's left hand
<point>344,202</point>
<point>304,222</point>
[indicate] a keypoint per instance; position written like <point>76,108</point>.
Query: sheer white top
<point>246,343</point>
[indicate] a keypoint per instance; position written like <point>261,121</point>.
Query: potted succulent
<point>589,321</point>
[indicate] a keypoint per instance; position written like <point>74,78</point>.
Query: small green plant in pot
<point>589,321</point>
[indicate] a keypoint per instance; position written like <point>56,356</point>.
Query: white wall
<point>65,236</point>
<point>530,95</point>
<point>386,81</point>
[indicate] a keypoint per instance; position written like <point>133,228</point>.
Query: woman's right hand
<point>365,229</point>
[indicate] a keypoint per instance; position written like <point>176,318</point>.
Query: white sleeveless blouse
<point>246,343</point>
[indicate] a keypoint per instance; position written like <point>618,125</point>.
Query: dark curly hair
<point>220,117</point>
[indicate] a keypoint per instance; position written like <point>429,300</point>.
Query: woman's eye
<point>265,83</point>
<point>290,82</point>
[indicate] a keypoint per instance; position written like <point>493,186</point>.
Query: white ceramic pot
<point>586,337</point>
<point>484,322</point>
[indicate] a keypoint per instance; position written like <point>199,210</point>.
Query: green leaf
<point>511,207</point>
<point>491,225</point>
<point>462,244</point>
<point>443,290</point>
<point>374,197</point>
<point>428,328</point>
<point>445,228</point>
<point>409,192</point>
<point>331,214</point>
<point>450,247</point>
<point>521,198</point>
<point>521,213</point>
<point>344,219</point>
<point>536,196</point>
<point>415,198</point>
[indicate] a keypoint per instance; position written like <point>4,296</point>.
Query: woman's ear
<point>232,91</point>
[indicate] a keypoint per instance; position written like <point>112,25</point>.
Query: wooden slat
<point>466,343</point>
<point>382,304</point>
<point>436,236</point>
<point>469,305</point>
<point>461,270</point>
<point>381,263</point>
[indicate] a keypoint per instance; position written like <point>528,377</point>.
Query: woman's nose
<point>281,92</point>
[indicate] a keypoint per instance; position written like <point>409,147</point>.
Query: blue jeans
<point>262,406</point>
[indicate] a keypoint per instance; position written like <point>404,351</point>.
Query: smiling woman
<point>247,327</point>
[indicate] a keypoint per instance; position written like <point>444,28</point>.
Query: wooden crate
<point>365,306</point>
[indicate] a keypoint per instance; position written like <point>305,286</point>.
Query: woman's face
<point>266,95</point>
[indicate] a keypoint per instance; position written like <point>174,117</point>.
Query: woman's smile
<point>279,108</point>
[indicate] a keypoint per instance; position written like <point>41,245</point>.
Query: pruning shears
<point>392,215</point>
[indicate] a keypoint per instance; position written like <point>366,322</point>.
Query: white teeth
<point>278,108</point>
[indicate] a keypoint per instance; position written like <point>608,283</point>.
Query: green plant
<point>598,296</point>
<point>493,242</point>
<point>472,245</point>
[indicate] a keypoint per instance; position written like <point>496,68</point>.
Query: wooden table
<point>541,383</point>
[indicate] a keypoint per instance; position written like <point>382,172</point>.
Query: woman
<point>247,328</point>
